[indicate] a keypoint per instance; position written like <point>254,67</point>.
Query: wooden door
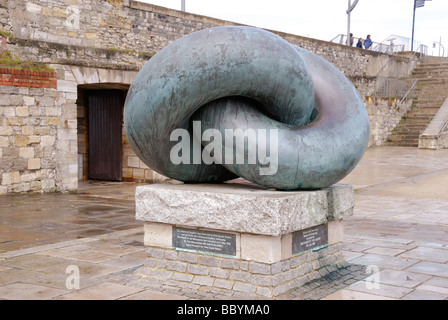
<point>105,131</point>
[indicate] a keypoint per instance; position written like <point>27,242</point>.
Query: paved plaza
<point>395,244</point>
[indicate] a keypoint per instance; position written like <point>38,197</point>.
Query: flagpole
<point>348,22</point>
<point>349,10</point>
<point>413,23</point>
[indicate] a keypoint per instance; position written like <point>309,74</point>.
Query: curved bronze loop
<point>239,79</point>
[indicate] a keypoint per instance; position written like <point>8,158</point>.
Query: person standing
<point>367,42</point>
<point>359,44</point>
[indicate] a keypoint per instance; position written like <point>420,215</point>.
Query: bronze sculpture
<point>247,82</point>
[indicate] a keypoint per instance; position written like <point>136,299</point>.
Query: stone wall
<point>435,135</point>
<point>136,27</point>
<point>434,142</point>
<point>236,279</point>
<point>32,140</point>
<point>384,118</point>
<point>102,44</point>
<point>118,24</point>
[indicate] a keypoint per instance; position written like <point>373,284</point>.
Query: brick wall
<point>27,78</point>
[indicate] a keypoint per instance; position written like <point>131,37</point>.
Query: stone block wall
<point>33,140</point>
<point>135,169</point>
<point>119,24</point>
<point>434,142</point>
<point>226,278</point>
<point>5,24</point>
<point>383,118</point>
<point>144,28</point>
<point>3,40</point>
<point>435,136</point>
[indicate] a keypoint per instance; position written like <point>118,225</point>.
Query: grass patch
<point>7,59</point>
<point>6,34</point>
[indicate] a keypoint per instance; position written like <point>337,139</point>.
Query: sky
<point>325,19</point>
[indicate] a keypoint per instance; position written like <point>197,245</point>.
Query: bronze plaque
<point>310,239</point>
<point>204,241</point>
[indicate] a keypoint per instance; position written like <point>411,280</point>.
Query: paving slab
<point>385,251</point>
<point>103,291</point>
<point>380,289</point>
<point>435,289</point>
<point>384,261</point>
<point>347,294</point>
<point>437,281</point>
<point>401,278</point>
<point>423,295</point>
<point>32,262</point>
<point>431,268</point>
<point>28,291</point>
<point>428,254</point>
<point>153,295</point>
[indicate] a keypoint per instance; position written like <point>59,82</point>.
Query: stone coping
<point>435,135</point>
<point>242,208</point>
<point>439,121</point>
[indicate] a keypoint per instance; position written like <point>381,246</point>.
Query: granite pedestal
<point>241,241</point>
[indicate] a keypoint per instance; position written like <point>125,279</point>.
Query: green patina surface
<point>248,78</point>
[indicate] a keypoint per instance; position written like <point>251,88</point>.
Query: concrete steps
<point>429,94</point>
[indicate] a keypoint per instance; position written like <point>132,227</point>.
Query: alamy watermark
<point>73,280</point>
<point>373,281</point>
<point>261,146</point>
<point>72,21</point>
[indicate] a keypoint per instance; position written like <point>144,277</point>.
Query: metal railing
<point>396,87</point>
<point>378,47</point>
<point>383,47</point>
<point>387,48</point>
<point>408,95</point>
<point>422,50</point>
<point>387,87</point>
<point>393,87</point>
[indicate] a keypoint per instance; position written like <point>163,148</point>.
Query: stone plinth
<point>241,240</point>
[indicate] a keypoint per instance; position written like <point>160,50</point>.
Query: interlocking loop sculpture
<point>237,79</point>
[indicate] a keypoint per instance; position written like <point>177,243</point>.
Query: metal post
<point>183,5</point>
<point>413,23</point>
<point>348,22</point>
<point>417,4</point>
<point>349,10</point>
<point>440,47</point>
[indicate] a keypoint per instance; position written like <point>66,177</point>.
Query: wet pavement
<point>28,220</point>
<point>399,228</point>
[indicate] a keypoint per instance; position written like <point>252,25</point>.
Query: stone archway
<point>84,82</point>
<point>80,81</point>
